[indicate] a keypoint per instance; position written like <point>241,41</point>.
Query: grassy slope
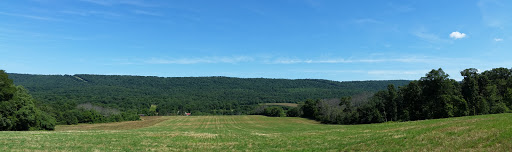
<point>281,104</point>
<point>259,133</point>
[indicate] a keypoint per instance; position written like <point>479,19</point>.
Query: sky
<point>293,39</point>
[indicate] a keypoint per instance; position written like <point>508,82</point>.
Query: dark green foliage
<point>369,113</point>
<point>345,101</point>
<point>274,112</point>
<point>17,109</point>
<point>310,108</point>
<point>390,104</point>
<point>45,121</point>
<point>71,117</point>
<point>433,96</point>
<point>293,112</point>
<point>499,107</point>
<point>7,88</point>
<point>482,106</point>
<point>174,96</point>
<point>460,106</point>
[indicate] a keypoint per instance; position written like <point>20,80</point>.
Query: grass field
<point>259,133</point>
<point>281,104</point>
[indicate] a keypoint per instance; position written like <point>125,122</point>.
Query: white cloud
<point>498,39</point>
<point>457,35</point>
<point>235,59</point>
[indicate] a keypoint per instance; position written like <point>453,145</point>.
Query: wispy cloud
<point>367,21</point>
<point>427,36</point>
<point>401,8</point>
<point>92,13</point>
<point>494,13</point>
<point>234,59</point>
<point>498,39</point>
<point>29,16</point>
<point>313,4</point>
<point>285,60</point>
<point>23,35</point>
<point>397,72</point>
<point>417,73</point>
<point>141,12</point>
<point>121,2</point>
<point>423,34</point>
<point>342,60</point>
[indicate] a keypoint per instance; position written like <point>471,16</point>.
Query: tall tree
<point>346,101</point>
<point>437,89</point>
<point>7,88</point>
<point>310,108</point>
<point>470,88</point>
<point>390,103</point>
<point>412,101</point>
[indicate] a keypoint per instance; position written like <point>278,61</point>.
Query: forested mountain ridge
<point>211,95</point>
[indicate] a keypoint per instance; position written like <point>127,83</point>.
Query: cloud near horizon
<point>235,59</point>
<point>287,60</point>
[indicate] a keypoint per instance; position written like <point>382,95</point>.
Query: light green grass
<point>281,104</point>
<point>259,133</point>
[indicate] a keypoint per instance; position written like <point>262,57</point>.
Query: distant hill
<point>207,95</point>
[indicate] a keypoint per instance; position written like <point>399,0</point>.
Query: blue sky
<point>335,40</point>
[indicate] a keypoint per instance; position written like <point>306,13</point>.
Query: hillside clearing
<point>281,104</point>
<point>259,133</point>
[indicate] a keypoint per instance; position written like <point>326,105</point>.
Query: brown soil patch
<point>145,121</point>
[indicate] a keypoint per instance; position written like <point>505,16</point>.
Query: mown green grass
<point>259,133</point>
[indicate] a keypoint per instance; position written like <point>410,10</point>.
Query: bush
<point>294,112</point>
<point>500,107</point>
<point>274,112</point>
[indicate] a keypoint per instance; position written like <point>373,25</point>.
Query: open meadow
<point>260,133</point>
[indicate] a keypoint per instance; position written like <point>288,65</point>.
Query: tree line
<point>19,111</point>
<point>176,95</point>
<point>433,96</point>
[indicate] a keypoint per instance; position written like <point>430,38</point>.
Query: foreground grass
<point>259,133</point>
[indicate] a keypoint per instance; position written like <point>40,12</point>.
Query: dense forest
<point>89,97</point>
<point>430,97</point>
